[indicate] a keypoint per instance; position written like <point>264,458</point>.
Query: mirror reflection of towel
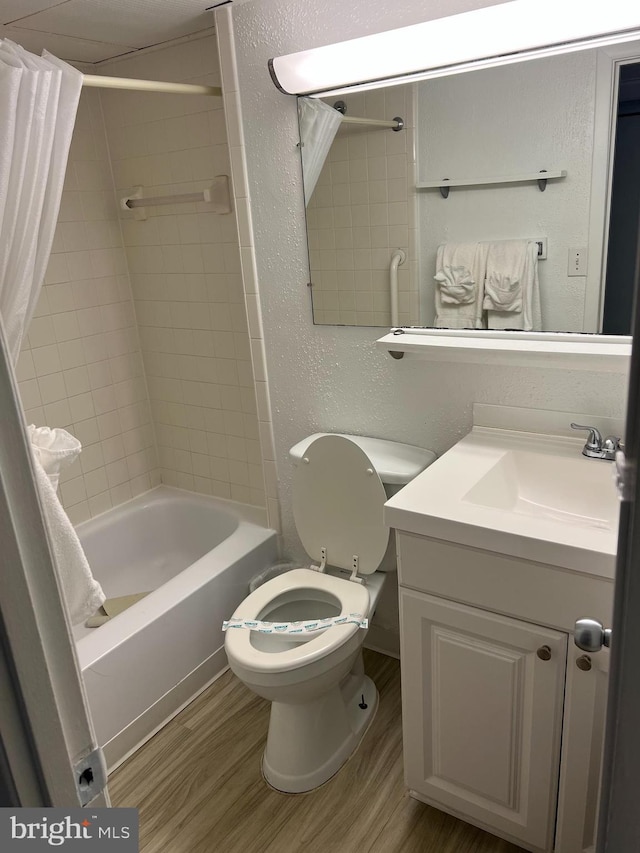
<point>456,284</point>
<point>460,272</point>
<point>512,299</point>
<point>502,293</point>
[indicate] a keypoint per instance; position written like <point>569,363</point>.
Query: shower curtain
<point>319,124</point>
<point>38,103</point>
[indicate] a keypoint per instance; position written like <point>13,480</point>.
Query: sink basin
<point>550,487</point>
<point>525,495</point>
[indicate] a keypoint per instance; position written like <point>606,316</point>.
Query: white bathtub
<point>197,554</point>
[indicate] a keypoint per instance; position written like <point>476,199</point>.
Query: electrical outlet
<point>577,262</point>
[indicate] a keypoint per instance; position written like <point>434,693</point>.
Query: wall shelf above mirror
<point>540,178</point>
<point>556,108</point>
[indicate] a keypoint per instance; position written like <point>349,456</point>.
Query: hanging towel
<point>53,450</point>
<point>511,289</point>
<point>460,272</point>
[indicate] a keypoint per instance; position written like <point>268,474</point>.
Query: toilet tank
<point>396,463</point>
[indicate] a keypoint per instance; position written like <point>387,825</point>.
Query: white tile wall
<point>185,268</point>
<point>363,207</point>
<point>80,365</point>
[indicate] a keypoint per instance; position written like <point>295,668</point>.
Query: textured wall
<point>332,378</point>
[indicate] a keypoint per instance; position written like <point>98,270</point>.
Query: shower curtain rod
<point>394,124</point>
<point>98,82</point>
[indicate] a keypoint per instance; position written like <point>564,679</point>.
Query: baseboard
<point>383,640</point>
<point>381,651</point>
<point>144,727</point>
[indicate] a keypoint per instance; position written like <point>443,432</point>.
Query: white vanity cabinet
<point>482,714</point>
<point>502,727</point>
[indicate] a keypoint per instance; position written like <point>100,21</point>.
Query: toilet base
<point>308,743</point>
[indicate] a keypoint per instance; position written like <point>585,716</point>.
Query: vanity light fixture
<point>496,34</point>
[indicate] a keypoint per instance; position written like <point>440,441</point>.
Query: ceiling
<point>95,30</point>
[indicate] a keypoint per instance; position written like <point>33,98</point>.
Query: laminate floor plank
<point>417,828</point>
<point>199,788</point>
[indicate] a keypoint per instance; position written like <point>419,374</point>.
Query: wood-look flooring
<point>199,788</point>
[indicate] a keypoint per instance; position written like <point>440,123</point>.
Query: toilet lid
<point>337,504</point>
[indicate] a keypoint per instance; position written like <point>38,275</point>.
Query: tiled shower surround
<point>80,365</point>
<point>170,397</point>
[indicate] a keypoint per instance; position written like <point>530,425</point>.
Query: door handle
<point>591,635</point>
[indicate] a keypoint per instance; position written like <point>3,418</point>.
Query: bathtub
<point>196,555</point>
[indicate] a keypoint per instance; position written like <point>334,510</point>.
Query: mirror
<point>378,191</point>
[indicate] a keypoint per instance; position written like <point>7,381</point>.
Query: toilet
<point>321,700</point>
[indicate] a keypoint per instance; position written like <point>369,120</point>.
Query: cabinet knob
<point>544,653</point>
<point>584,663</point>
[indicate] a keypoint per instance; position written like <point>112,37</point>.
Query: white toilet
<point>322,702</point>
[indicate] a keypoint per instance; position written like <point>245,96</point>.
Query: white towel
<point>52,450</point>
<point>460,270</point>
<point>55,449</point>
<point>511,289</point>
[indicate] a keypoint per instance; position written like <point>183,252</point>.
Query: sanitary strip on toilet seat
<point>296,627</point>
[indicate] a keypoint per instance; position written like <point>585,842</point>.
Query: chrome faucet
<point>596,447</point>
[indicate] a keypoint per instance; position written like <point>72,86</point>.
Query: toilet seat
<point>353,598</point>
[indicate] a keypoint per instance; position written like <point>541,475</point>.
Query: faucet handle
<point>594,441</point>
<point>611,444</point>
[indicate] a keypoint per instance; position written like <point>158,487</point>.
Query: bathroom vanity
<point>503,544</point>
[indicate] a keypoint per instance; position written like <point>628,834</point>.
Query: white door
<point>619,816</point>
<point>482,714</point>
<point>46,737</point>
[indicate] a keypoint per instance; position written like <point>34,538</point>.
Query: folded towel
<point>456,285</point>
<point>52,450</point>
<point>460,270</point>
<point>511,288</point>
<point>502,293</point>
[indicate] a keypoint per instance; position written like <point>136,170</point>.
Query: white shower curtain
<point>38,102</point>
<point>319,124</point>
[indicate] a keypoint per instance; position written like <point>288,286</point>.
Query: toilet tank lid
<point>395,463</point>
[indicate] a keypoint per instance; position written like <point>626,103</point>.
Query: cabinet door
<point>582,744</point>
<point>482,715</point>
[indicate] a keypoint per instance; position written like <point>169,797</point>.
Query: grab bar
<point>216,194</point>
<point>398,257</point>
